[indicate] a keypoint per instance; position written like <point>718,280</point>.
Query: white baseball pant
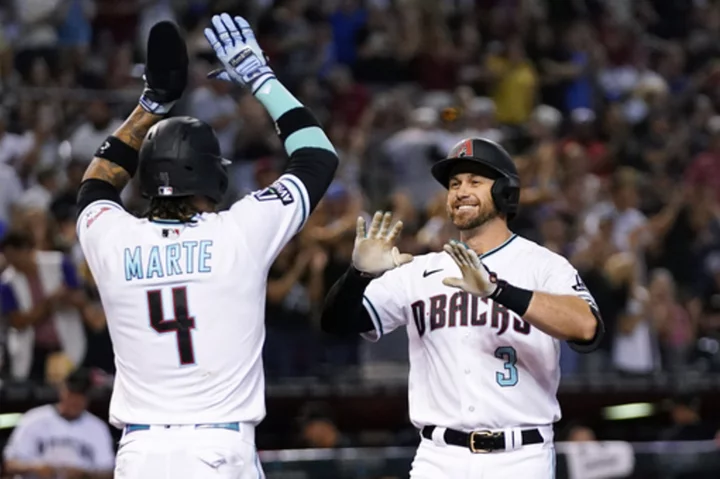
<point>189,452</point>
<point>434,460</point>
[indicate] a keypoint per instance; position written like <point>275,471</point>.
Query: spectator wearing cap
<point>62,440</point>
<point>41,297</point>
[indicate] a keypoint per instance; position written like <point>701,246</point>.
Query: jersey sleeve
<point>384,300</point>
<point>561,278</point>
<point>105,455</point>
<point>271,217</point>
<point>23,442</point>
<point>94,224</point>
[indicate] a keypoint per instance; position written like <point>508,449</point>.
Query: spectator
<point>213,104</point>
<point>62,440</point>
<point>294,292</point>
<point>99,124</point>
<point>41,297</point>
<point>515,83</point>
<point>672,321</point>
<point>411,152</point>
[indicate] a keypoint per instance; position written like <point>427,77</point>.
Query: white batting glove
<point>476,278</point>
<point>376,253</point>
<point>236,47</point>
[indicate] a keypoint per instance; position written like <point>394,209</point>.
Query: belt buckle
<point>482,435</point>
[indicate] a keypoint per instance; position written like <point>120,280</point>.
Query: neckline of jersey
<point>498,248</point>
<point>161,221</point>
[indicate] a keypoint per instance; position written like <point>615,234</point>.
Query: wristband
<point>513,298</point>
<point>295,120</point>
<point>115,150</point>
<point>362,274</point>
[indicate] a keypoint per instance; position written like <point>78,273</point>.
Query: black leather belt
<point>482,441</point>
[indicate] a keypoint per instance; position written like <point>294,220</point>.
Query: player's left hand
<point>237,49</point>
<point>166,69</point>
<point>476,278</point>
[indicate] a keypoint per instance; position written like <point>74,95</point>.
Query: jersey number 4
<point>182,324</point>
<point>510,376</point>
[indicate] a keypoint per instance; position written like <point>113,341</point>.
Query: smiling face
<point>469,199</point>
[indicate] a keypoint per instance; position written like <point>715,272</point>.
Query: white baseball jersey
<point>474,364</point>
<point>185,304</point>
<point>43,436</point>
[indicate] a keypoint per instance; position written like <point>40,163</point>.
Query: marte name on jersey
<point>160,261</point>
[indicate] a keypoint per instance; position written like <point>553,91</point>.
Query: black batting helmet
<point>181,157</point>
<point>506,189</point>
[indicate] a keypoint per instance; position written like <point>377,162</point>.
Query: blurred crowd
<point>611,109</point>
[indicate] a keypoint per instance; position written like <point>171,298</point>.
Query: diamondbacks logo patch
<point>94,215</point>
<point>276,191</point>
<point>463,149</point>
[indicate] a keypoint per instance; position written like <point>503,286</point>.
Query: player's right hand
<point>237,49</point>
<point>166,69</point>
<point>375,252</point>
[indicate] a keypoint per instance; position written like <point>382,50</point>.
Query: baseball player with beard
<point>484,320</point>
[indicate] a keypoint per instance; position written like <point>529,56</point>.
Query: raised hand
<point>375,252</point>
<point>166,69</point>
<point>476,279</point>
<point>237,49</point>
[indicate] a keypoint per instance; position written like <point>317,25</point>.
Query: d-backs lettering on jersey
<point>473,363</point>
<point>185,304</point>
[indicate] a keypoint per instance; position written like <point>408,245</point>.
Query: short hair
<point>79,381</point>
<point>177,208</point>
<point>16,239</point>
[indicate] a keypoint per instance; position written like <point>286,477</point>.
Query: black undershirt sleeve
<point>590,346</point>
<point>314,167</point>
<point>343,313</point>
<point>94,190</point>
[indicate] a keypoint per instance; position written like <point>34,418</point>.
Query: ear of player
<point>375,251</point>
<point>166,69</point>
<point>237,49</point>
<point>475,276</point>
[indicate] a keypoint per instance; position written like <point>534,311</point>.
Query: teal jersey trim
<point>276,99</point>
<point>310,137</point>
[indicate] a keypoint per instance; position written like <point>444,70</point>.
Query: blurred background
<point>611,109</point>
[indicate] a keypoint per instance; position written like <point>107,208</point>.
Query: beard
<point>465,220</point>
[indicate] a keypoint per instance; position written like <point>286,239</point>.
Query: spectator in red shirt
<point>583,132</point>
<point>349,100</point>
<point>704,171</point>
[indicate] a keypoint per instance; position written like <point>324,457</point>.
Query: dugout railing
<point>644,460</point>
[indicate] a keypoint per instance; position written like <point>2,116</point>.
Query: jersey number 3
<point>510,376</point>
<point>182,324</point>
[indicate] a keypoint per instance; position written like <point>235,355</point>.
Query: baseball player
<point>484,319</point>
<point>61,440</point>
<point>183,288</point>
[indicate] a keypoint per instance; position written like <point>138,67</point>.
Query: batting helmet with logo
<point>500,166</point>
<point>181,157</point>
